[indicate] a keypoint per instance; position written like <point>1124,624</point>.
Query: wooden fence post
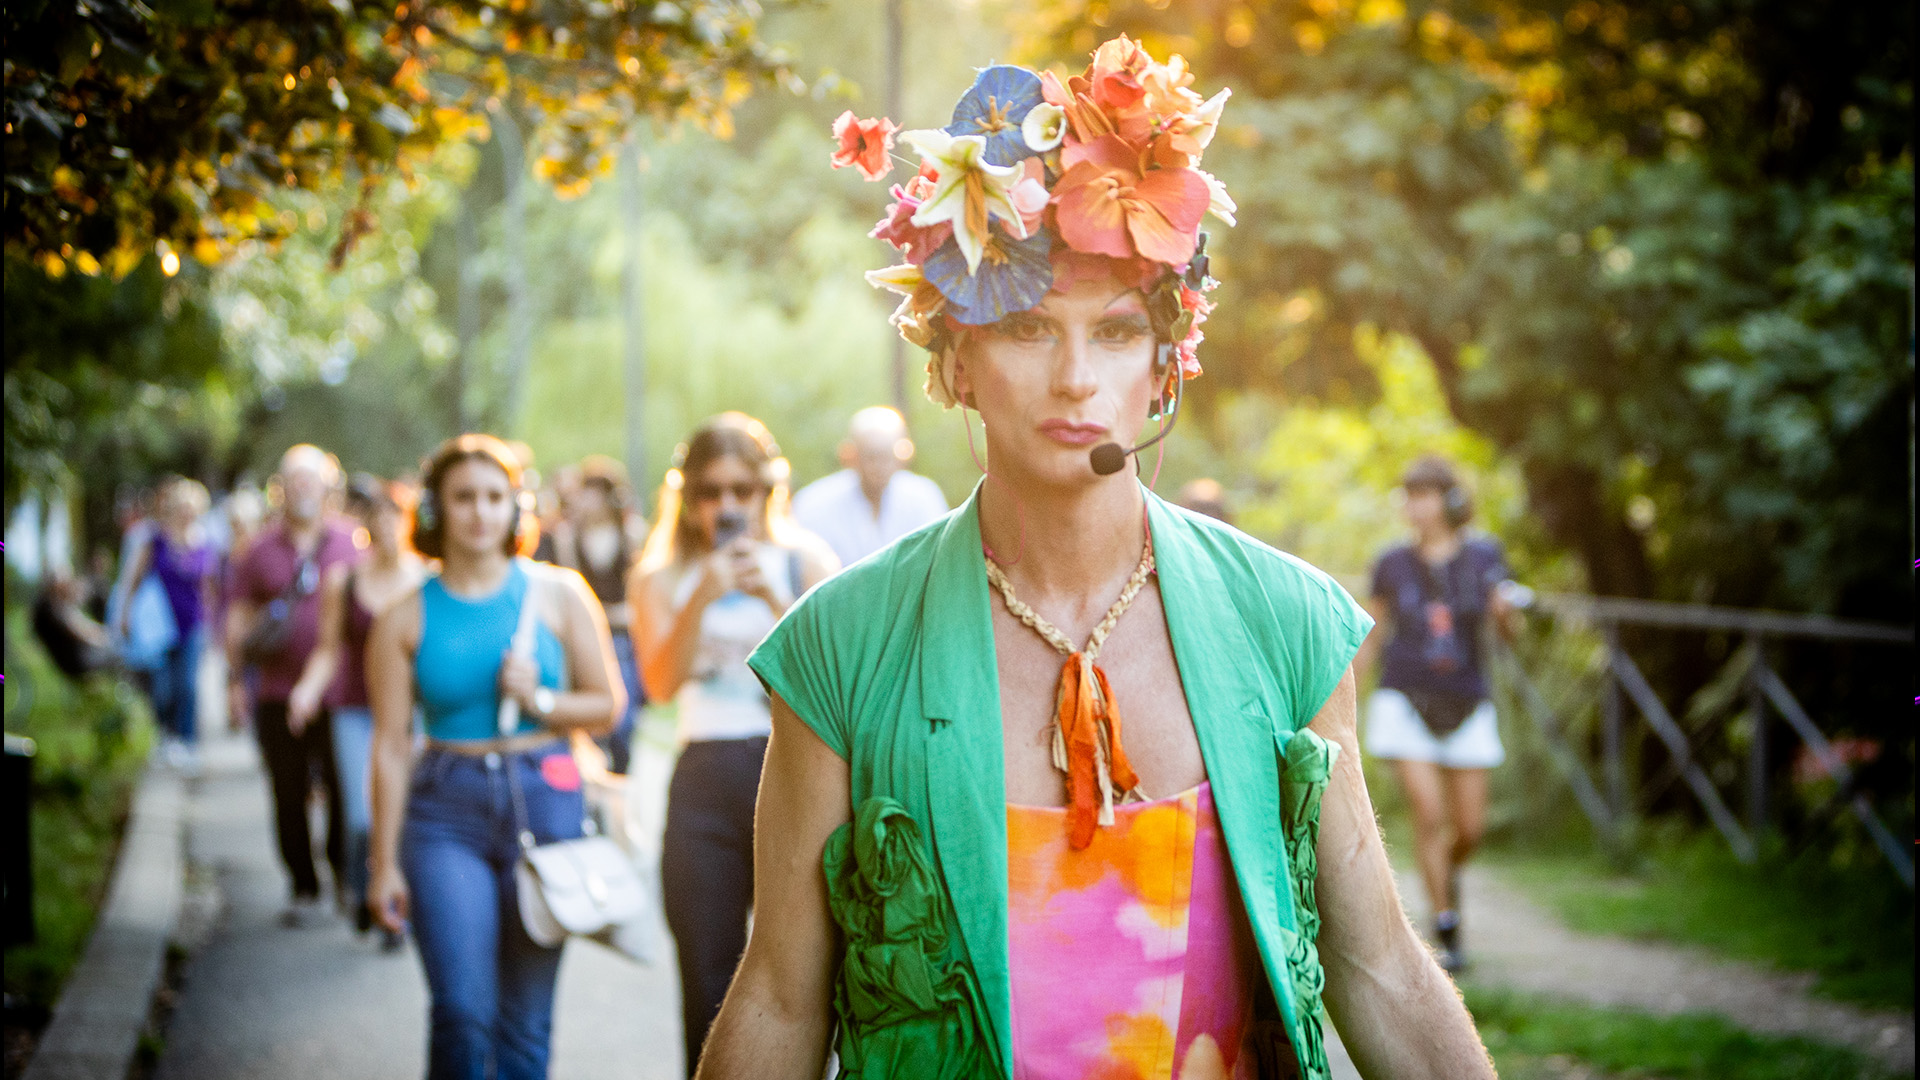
<point>1757,750</point>
<point>1612,716</point>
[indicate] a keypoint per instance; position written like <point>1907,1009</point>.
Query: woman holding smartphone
<point>447,827</point>
<point>722,564</point>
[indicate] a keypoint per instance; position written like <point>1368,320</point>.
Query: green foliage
<point>129,125</point>
<point>86,353</point>
<point>1326,474</point>
<point>1528,1036</point>
<point>1659,254</point>
<point>1792,911</point>
<point>91,740</point>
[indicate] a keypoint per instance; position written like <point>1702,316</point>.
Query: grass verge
<point>91,740</point>
<point>1851,926</point>
<point>1533,1038</point>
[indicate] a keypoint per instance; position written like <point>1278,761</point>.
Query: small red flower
<point>864,144</point>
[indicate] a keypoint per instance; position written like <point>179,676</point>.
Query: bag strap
<point>522,646</point>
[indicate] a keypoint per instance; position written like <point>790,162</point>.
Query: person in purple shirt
<point>1432,715</point>
<point>178,556</point>
<point>273,626</point>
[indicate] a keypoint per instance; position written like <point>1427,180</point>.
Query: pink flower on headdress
<point>898,229</point>
<point>1187,349</point>
<point>1106,203</point>
<point>864,144</point>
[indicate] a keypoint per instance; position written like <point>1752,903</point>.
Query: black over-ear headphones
<point>1456,505</point>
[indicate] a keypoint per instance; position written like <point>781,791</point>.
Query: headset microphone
<point>1110,458</point>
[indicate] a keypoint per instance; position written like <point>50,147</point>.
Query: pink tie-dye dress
<point>1131,959</point>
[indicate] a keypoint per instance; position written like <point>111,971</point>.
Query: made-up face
<point>479,506</point>
<point>1053,382</point>
<point>726,485</point>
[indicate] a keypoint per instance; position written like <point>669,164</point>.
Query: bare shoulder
<point>399,622</point>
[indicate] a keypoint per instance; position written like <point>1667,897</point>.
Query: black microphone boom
<point>1108,458</point>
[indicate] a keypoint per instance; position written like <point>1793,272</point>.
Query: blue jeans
<point>353,762</point>
<point>492,987</point>
<point>172,688</point>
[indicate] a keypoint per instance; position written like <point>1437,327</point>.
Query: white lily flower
<point>1044,127</point>
<point>1207,118</point>
<point>902,279</point>
<point>968,191</point>
<point>1219,203</point>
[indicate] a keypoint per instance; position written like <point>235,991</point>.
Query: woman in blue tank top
<point>446,826</point>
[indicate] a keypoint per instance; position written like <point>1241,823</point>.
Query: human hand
<point>717,577</point>
<point>239,706</point>
<point>519,678</point>
<point>747,575</point>
<point>388,898</point>
<point>303,704</point>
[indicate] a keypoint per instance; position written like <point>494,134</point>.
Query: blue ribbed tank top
<point>462,644</point>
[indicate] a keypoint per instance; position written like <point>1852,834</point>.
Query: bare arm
<point>777,1014</point>
<point>137,569</point>
<point>1397,1012</point>
<point>598,695</point>
<point>303,702</point>
<point>390,650</point>
<point>666,638</point>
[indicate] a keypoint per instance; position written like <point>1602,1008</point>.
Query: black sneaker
<point>1446,931</point>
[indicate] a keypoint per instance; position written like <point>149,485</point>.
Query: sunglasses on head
<point>742,492</point>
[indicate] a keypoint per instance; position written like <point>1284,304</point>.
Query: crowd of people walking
<point>373,630</point>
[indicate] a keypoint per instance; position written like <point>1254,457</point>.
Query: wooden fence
<point>1608,803</point>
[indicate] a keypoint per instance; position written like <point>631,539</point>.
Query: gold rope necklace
<point>1086,724</point>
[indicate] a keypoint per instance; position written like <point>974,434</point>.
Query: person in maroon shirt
<point>279,578</point>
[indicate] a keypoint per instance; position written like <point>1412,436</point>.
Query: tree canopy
<point>133,128</point>
<point>1660,253</point>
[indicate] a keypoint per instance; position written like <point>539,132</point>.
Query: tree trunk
<point>1570,501</point>
<point>513,234</point>
<point>634,310</point>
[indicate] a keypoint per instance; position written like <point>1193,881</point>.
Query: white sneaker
<point>184,757</point>
<point>302,911</point>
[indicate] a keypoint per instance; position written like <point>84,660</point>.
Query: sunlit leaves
<point>128,124</point>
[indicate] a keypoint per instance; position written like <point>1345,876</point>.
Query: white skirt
<point>1395,730</point>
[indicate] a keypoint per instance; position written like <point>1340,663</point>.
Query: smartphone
<point>731,526</point>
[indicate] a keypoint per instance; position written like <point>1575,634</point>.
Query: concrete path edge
<point>96,1024</point>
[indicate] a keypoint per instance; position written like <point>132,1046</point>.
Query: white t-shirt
<point>722,697</point>
<point>837,511</point>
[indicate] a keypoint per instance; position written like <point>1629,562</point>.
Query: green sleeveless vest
<point>892,664</point>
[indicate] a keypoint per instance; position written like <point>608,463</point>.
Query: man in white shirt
<point>874,500</point>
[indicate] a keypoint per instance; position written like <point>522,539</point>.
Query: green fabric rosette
<point>1307,764</point>
<point>907,1001</point>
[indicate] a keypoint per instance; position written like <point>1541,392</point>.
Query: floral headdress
<point>1037,183</point>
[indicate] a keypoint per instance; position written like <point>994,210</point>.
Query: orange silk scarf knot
<point>1087,747</point>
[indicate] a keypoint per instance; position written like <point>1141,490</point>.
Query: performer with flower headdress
<point>1065,784</point>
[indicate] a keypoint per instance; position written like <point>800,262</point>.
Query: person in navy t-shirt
<point>1432,715</point>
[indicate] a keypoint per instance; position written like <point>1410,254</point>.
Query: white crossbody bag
<point>585,887</point>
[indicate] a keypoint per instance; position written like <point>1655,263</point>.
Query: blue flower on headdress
<point>1013,276</point>
<point>999,99</point>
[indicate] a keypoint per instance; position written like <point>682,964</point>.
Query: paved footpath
<point>319,1003</point>
<point>258,1000</point>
